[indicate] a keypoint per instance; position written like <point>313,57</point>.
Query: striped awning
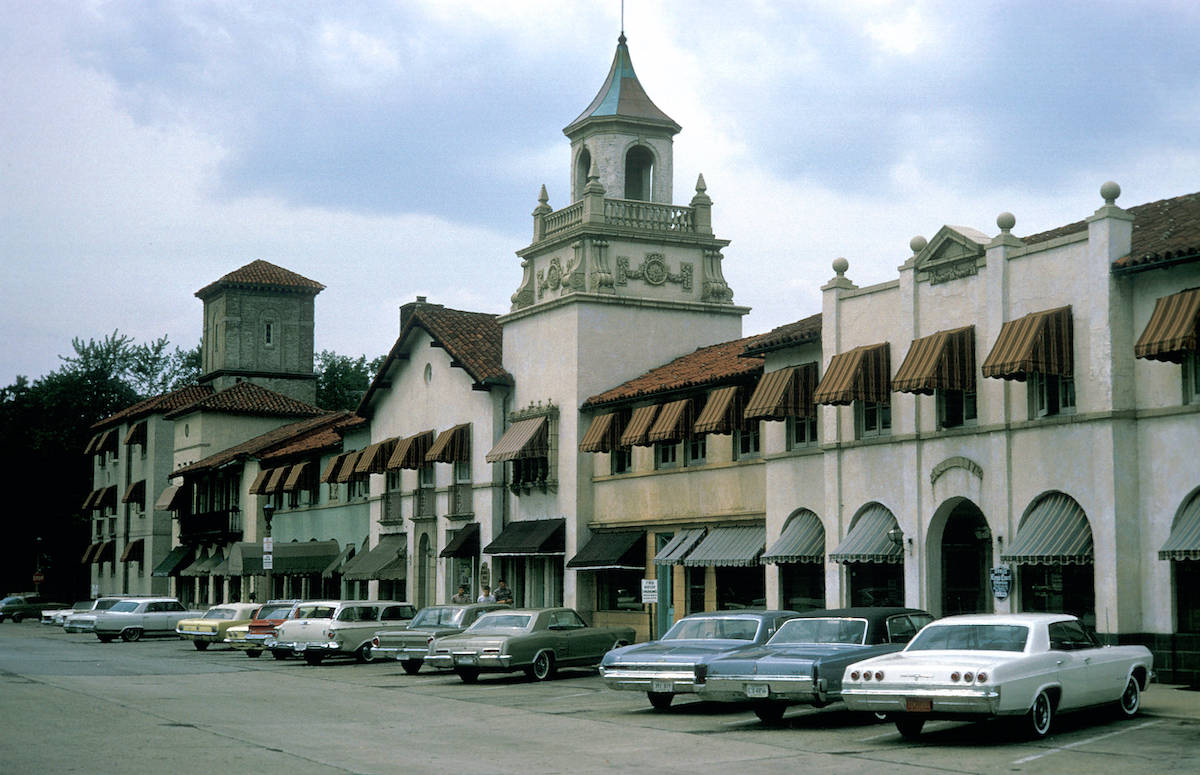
<point>135,492</point>
<point>374,458</point>
<point>106,498</point>
<point>870,539</point>
<point>87,553</point>
<point>541,537</point>
<point>639,427</point>
<point>451,446</point>
<point>177,558</point>
<point>464,544</point>
<point>260,481</point>
<point>720,413</point>
<point>173,497</point>
<point>738,546</point>
<point>784,393</point>
<point>612,551</point>
<point>524,439</point>
<point>1041,342</point>
<point>134,551</point>
<point>90,448</point>
<point>602,435</point>
<point>297,475</point>
<point>136,434</point>
<point>345,471</point>
<point>276,479</point>
<point>106,442</point>
<point>862,374</point>
<point>410,451</point>
<point>87,502</point>
<point>1184,542</point>
<point>1056,532</point>
<point>1173,328</point>
<point>106,553</point>
<point>673,421</point>
<point>941,361</point>
<point>331,469</point>
<point>678,547</point>
<point>802,540</point>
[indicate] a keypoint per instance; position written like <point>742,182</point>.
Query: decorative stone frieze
<point>654,271</point>
<point>715,287</point>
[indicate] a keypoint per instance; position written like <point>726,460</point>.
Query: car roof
<point>863,612</point>
<point>1026,619</point>
<point>756,613</point>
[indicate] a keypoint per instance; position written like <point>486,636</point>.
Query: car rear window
<point>501,621</point>
<point>713,627</point>
<point>218,613</point>
<point>823,630</point>
<point>274,612</point>
<point>438,617</point>
<point>125,606</point>
<point>314,612</point>
<point>970,637</point>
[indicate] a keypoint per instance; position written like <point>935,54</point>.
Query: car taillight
<point>981,678</point>
<point>429,640</point>
<point>700,673</point>
<point>854,675</point>
<point>878,675</point>
<point>968,678</point>
<point>866,675</point>
<point>955,676</point>
<point>375,642</point>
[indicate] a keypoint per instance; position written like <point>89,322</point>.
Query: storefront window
<point>741,588</point>
<point>802,585</point>
<point>1187,595</point>
<point>876,583</point>
<point>619,590</point>
<point>1066,589</point>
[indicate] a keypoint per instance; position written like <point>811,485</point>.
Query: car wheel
<point>313,658</point>
<point>131,634</point>
<point>411,666</point>
<point>17,618</point>
<point>469,675</point>
<point>770,713</point>
<point>253,653</point>
<point>660,700</point>
<point>910,727</point>
<point>105,638</point>
<point>279,654</point>
<point>1131,699</point>
<point>200,645</point>
<point>542,668</point>
<point>1040,716</point>
<point>365,654</point>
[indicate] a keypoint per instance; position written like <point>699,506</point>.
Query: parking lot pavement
<point>72,704</point>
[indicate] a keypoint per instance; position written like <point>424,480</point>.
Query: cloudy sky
<point>390,149</point>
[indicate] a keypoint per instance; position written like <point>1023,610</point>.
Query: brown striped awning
<point>173,497</point>
<point>135,493</point>
<point>941,361</point>
<point>136,434</point>
<point>134,551</point>
<point>331,469</point>
<point>276,479</point>
<point>374,458</point>
<point>1056,532</point>
<point>90,449</point>
<point>720,413</point>
<point>107,442</point>
<point>1184,541</point>
<point>451,446</point>
<point>260,481</point>
<point>345,471</point>
<point>601,434</point>
<point>296,475</point>
<point>410,451</point>
<point>639,427</point>
<point>524,439</point>
<point>89,500</point>
<point>862,374</point>
<point>1040,342</point>
<point>1173,328</point>
<point>672,422</point>
<point>106,498</point>
<point>87,553</point>
<point>784,393</point>
<point>107,552</point>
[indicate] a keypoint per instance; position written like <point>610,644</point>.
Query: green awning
<point>387,560</point>
<point>1056,532</point>
<point>464,544</point>
<point>729,547</point>
<point>678,547</point>
<point>1184,543</point>
<point>289,558</point>
<point>203,564</point>
<point>339,562</point>
<point>530,537</point>
<point>870,539</point>
<point>177,558</point>
<point>612,551</point>
<point>803,540</point>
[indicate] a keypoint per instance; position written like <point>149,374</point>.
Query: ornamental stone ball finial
<point>1006,221</point>
<point>840,265</point>
<point>1110,191</point>
<point>917,244</point>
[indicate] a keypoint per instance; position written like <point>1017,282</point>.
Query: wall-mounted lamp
<point>896,536</point>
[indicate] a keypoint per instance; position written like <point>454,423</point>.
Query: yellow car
<point>211,627</point>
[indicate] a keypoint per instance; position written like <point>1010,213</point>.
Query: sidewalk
<point>1171,701</point>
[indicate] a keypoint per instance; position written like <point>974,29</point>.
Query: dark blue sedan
<point>804,660</point>
<point>666,667</point>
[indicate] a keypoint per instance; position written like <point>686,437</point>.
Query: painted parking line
<point>1076,744</point>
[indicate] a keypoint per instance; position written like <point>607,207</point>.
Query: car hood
<point>673,651</point>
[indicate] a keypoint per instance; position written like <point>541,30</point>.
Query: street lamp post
<point>268,558</point>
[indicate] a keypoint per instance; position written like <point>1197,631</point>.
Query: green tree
<point>342,380</point>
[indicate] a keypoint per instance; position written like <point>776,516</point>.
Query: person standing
<point>486,596</point>
<point>503,593</point>
<point>462,596</point>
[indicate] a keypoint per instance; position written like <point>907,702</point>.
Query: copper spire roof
<point>622,96</point>
<point>263,274</point>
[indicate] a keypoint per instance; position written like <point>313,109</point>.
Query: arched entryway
<point>583,163</point>
<point>1053,552</point>
<point>424,571</point>
<point>639,173</point>
<point>965,559</point>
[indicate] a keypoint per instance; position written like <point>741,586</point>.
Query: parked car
<point>1024,666</point>
<point>56,616</point>
<point>804,660</point>
<point>411,644</point>
<point>85,621</point>
<point>25,606</point>
<point>210,628</point>
<point>326,628</point>
<point>134,618</point>
<point>251,636</point>
<point>538,641</point>
<point>666,667</point>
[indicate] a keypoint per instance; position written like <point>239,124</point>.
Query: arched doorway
<point>424,572</point>
<point>966,557</point>
<point>1053,549</point>
<point>639,173</point>
<point>582,165</point>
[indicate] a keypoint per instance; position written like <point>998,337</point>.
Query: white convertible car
<point>1027,666</point>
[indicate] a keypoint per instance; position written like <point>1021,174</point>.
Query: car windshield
<point>713,627</point>
<point>274,612</point>
<point>314,612</point>
<point>83,605</point>
<point>823,630</point>
<point>218,613</point>
<point>106,603</point>
<point>970,637</point>
<point>440,616</point>
<point>10,600</point>
<point>125,606</point>
<point>503,621</point>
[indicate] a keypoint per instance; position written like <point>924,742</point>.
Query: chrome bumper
<point>953,702</point>
<point>251,641</point>
<point>665,680</point>
<point>403,653</point>
<point>735,688</point>
<point>469,659</point>
<point>211,637</point>
<point>299,647</point>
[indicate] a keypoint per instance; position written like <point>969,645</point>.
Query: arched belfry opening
<point>639,173</point>
<point>583,163</point>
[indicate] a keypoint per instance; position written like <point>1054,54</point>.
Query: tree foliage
<point>342,380</point>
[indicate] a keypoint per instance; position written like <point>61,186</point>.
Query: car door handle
<point>1087,660</point>
<point>1059,662</point>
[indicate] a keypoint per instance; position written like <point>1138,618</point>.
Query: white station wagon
<point>1026,666</point>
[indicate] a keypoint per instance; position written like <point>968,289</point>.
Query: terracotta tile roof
<point>472,339</point>
<point>801,332</point>
<point>263,274</point>
<point>715,364</point>
<point>265,443</point>
<point>1163,231</point>
<point>317,440</point>
<point>249,398</point>
<point>164,402</point>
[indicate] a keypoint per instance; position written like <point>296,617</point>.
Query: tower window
<point>269,333</point>
<point>582,165</point>
<point>639,173</point>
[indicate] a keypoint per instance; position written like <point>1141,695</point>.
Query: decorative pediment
<point>953,253</point>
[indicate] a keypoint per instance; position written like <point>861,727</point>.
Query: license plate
<point>299,647</point>
<point>466,659</point>
<point>659,686</point>
<point>758,691</point>
<point>913,705</point>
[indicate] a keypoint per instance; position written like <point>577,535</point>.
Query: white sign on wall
<point>268,561</point>
<point>268,545</point>
<point>649,590</point>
